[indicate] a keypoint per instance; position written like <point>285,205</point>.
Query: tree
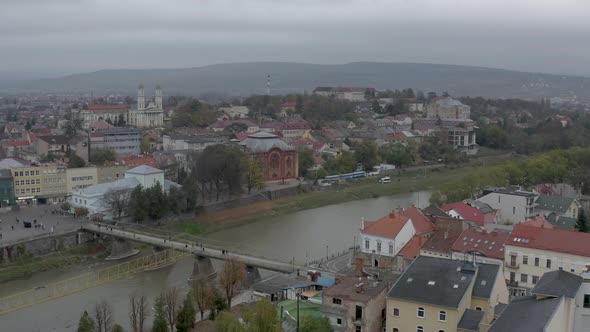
<point>171,299</point>
<point>86,323</point>
<point>315,324</point>
<point>305,160</point>
<point>252,173</point>
<point>117,200</point>
<point>117,328</point>
<point>103,314</point>
<point>81,212</point>
<point>218,304</point>
<point>138,312</point>
<point>121,120</point>
<point>366,154</point>
<point>186,316</point>
<point>75,161</point>
<point>160,323</point>
<point>138,204</point>
<point>228,323</point>
<point>344,163</point>
<point>65,206</point>
<point>582,222</point>
<point>73,125</point>
<point>263,318</point>
<point>100,155</point>
<point>202,294</point>
<point>375,107</point>
<point>231,277</point>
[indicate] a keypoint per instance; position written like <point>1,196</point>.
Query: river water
<point>304,235</point>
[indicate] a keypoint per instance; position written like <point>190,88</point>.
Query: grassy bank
<point>24,267</point>
<point>340,193</point>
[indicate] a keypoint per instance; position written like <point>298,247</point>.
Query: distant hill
<point>248,78</point>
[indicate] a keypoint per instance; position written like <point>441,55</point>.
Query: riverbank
<point>425,180</point>
<point>24,267</point>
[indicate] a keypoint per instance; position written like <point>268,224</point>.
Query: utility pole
<point>298,297</point>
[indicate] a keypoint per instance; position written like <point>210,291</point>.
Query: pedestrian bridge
<point>198,250</point>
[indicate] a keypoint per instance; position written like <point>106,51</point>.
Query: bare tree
<point>202,293</point>
<point>231,277</point>
<point>103,314</point>
<point>171,301</point>
<point>138,311</point>
<point>117,200</point>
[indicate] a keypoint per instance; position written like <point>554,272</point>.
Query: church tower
<point>158,98</point>
<point>140,97</point>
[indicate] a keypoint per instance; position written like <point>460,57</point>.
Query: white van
<point>385,179</point>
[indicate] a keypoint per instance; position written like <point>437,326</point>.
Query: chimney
<point>359,287</point>
<point>446,234</point>
<point>358,267</point>
<point>362,223</point>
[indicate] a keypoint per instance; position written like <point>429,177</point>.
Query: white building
<point>93,197</point>
<point>235,112</point>
<point>514,205</point>
<point>150,115</point>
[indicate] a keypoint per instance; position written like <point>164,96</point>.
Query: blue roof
<point>326,281</point>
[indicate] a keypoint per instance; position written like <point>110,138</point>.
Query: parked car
<point>385,179</point>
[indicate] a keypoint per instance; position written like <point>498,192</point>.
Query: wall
<point>408,319</point>
<point>512,208</point>
<point>582,315</point>
<point>111,173</point>
<point>43,245</point>
<point>79,178</point>
<point>404,235</point>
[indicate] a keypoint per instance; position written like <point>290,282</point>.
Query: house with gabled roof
<point>562,206</point>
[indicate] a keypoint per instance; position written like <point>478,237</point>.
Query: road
<point>264,263</point>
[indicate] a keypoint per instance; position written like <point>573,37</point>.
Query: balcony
<point>511,283</point>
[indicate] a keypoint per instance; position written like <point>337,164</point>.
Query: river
<point>303,235</point>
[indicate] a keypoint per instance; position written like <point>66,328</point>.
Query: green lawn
<point>190,227</point>
<point>306,309</point>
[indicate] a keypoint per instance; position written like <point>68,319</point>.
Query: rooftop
<point>144,170</point>
<point>470,320</point>
<point>558,283</point>
<point>557,204</point>
<point>550,239</point>
<point>466,212</point>
<point>390,225</point>
<point>561,222</point>
<point>357,289</point>
<point>526,314</point>
<point>538,221</point>
<point>515,191</point>
<point>107,107</point>
<point>103,188</point>
<point>447,232</point>
<point>488,244</point>
<point>436,281</point>
<point>264,142</point>
<point>55,139</point>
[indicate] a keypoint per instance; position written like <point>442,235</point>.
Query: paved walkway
<point>13,231</point>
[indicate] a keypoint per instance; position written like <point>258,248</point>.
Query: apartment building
<point>533,251</point>
<point>106,174</point>
<point>43,184</point>
<point>123,141</point>
<point>79,178</point>
<point>438,294</point>
<point>513,204</point>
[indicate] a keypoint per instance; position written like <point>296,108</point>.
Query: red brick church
<point>277,158</point>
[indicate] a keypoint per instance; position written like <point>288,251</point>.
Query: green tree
<point>138,204</point>
<point>344,163</point>
<point>75,161</point>
<point>582,222</point>
<point>186,316</point>
<point>99,156</point>
<point>305,160</point>
<point>121,121</point>
<point>263,318</point>
<point>366,154</point>
<point>228,323</point>
<point>252,173</point>
<point>396,154</point>
<point>160,323</point>
<point>118,328</point>
<point>157,201</point>
<point>86,323</point>
<point>375,107</point>
<point>315,324</point>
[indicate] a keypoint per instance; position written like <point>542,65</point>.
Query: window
<point>359,313</point>
<point>336,300</point>
<point>339,321</point>
<point>524,278</point>
<point>395,329</point>
<point>442,316</point>
<point>536,261</point>
<point>358,329</point>
<point>420,312</point>
<point>535,280</point>
<point>378,246</point>
<point>477,308</point>
<point>441,330</point>
<point>391,249</point>
<point>586,300</point>
<point>419,329</point>
<point>367,242</point>
<point>396,312</point>
<point>514,210</point>
<point>525,260</point>
<point>512,260</point>
<point>548,264</point>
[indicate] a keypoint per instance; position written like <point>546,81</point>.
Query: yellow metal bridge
<point>66,287</point>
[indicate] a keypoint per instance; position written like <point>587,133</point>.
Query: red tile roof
<point>447,232</point>
<point>101,124</point>
<point>488,244</point>
<point>289,104</point>
<point>16,143</point>
<point>422,224</point>
<point>538,221</point>
<point>107,107</point>
<point>134,161</point>
<point>550,239</point>
<point>388,226</point>
<point>412,248</point>
<point>466,212</point>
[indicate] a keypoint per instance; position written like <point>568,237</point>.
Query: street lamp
<point>298,295</point>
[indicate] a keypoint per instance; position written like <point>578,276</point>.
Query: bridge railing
<point>190,239</point>
<point>62,288</point>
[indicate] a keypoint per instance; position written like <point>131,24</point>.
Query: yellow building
<point>533,251</point>
<point>443,295</point>
<point>79,178</point>
<point>111,173</point>
<point>43,184</point>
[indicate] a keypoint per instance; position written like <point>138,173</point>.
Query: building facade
<point>123,141</point>
<point>448,109</point>
<point>111,112</point>
<point>80,178</point>
<point>278,159</point>
<point>40,184</point>
<point>147,115</point>
<point>513,204</point>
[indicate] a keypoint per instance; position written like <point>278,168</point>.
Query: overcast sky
<point>63,36</point>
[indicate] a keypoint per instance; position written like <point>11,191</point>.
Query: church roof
<point>264,142</point>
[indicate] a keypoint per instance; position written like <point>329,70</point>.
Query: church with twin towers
<point>147,114</point>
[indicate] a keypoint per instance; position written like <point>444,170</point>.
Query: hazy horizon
<point>59,37</point>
